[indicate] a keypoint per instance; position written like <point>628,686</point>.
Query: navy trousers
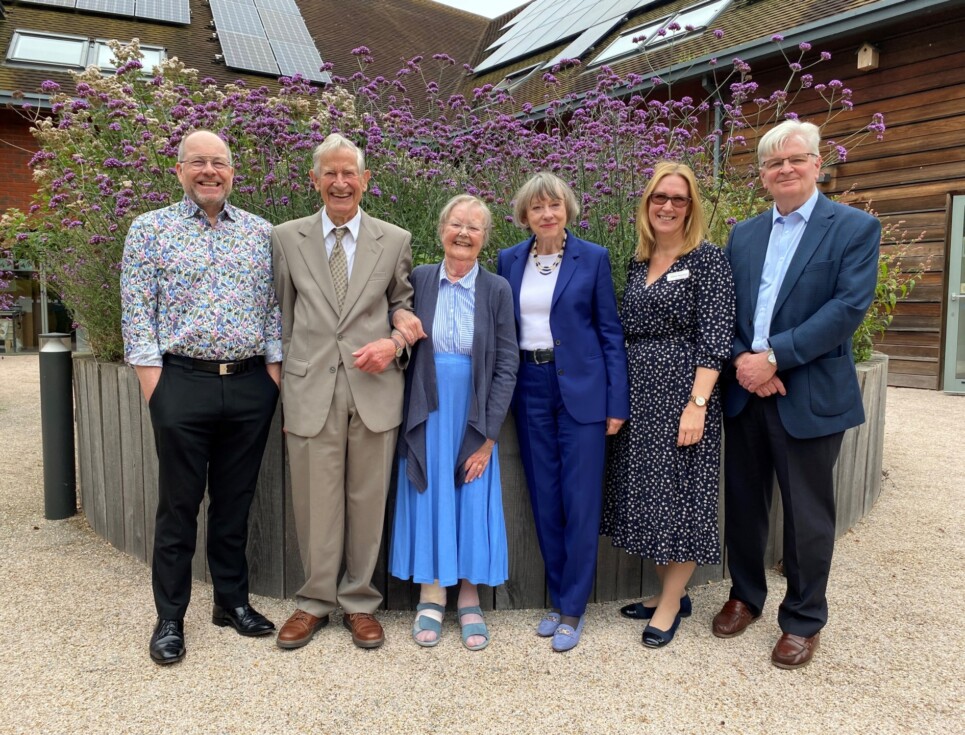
<point>756,448</point>
<point>563,461</point>
<point>209,430</point>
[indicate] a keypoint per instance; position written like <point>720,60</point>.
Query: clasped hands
<point>756,375</point>
<point>376,356</point>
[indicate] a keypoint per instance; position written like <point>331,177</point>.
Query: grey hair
<point>779,135</point>
<point>332,143</point>
<point>203,130</point>
<point>544,185</point>
<point>467,199</point>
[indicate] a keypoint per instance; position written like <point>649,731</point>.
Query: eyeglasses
<point>678,202</point>
<point>459,227</point>
<point>198,164</point>
<point>776,164</point>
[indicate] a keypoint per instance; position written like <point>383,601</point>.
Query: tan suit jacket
<point>315,337</point>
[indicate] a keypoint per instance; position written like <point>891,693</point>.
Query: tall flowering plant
<point>108,148</point>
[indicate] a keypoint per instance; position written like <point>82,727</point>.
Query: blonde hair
<point>695,229</point>
<point>550,187</point>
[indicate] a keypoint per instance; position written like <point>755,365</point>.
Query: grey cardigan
<point>495,360</point>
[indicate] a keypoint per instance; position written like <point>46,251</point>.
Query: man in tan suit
<point>341,276</point>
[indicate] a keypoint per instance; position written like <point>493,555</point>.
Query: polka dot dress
<point>660,500</point>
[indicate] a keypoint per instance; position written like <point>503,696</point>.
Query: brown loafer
<point>733,619</point>
<point>299,629</point>
<point>794,651</point>
<point>366,630</point>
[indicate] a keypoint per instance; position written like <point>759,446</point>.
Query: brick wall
<point>16,149</point>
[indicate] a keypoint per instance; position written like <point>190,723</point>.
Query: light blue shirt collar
<point>804,210</point>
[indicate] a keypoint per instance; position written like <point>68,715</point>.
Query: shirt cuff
<point>273,350</point>
<point>145,356</point>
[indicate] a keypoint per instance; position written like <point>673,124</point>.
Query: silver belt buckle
<point>536,358</point>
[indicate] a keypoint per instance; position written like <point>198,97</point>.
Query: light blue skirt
<point>447,533</point>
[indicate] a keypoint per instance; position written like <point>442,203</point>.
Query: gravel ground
<point>76,615</point>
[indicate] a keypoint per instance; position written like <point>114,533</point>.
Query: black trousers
<point>209,430</point>
<point>757,447</point>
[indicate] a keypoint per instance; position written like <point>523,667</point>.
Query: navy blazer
<point>589,350</point>
<point>824,296</point>
<point>495,359</point>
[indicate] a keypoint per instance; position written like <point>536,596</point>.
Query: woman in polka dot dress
<point>662,478</point>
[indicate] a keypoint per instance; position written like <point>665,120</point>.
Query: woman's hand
<point>691,428</point>
<point>613,425</point>
<point>479,460</point>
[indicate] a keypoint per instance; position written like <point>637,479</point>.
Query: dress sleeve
<point>714,296</point>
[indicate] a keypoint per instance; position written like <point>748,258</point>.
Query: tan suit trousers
<point>340,480</point>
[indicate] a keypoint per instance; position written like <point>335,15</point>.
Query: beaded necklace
<point>545,270</point>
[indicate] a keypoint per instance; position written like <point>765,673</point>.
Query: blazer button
<point>331,370</point>
<point>558,343</point>
<point>339,338</point>
<point>559,372</point>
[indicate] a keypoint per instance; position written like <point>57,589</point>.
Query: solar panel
<point>545,23</point>
<point>56,3</point>
<point>249,53</point>
<point>281,6</point>
<point>167,11</point>
<point>114,7</point>
<point>299,58</point>
<point>236,18</point>
<point>584,42</point>
<point>285,27</point>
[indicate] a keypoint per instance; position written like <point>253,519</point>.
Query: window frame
<point>89,51</point>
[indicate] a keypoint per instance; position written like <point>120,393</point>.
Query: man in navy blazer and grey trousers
<point>805,273</point>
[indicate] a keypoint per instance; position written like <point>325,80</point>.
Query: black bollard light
<point>57,426</point>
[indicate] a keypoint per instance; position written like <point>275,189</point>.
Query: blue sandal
<point>471,629</point>
<point>424,622</point>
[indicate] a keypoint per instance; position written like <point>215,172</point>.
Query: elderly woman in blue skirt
<point>448,524</point>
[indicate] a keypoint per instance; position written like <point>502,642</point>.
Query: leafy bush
<point>108,147</point>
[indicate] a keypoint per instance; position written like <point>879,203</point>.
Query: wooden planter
<point>118,493</point>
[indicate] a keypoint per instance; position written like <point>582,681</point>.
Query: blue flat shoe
<point>637,610</point>
<point>471,629</point>
<point>548,625</point>
<point>566,638</point>
<point>424,622</point>
<point>656,638</point>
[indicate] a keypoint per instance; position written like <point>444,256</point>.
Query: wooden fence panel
<point>132,471</point>
<point>113,486</point>
<point>266,527</point>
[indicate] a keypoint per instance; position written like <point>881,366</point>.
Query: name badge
<point>679,275</point>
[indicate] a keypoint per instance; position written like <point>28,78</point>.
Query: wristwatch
<point>698,401</point>
<point>399,349</point>
<point>771,357</point>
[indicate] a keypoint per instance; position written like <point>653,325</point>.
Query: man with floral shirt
<point>202,329</point>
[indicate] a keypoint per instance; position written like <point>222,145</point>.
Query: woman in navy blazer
<point>571,390</point>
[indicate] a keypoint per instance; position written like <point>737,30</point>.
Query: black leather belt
<point>215,366</point>
<point>539,357</point>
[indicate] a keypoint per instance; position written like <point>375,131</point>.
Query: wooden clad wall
<point>118,474</point>
<point>908,177</point>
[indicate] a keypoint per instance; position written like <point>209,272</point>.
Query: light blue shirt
<point>786,234</point>
<point>452,326</point>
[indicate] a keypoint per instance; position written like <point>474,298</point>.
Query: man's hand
<point>274,372</point>
<point>613,425</point>
<point>409,326</point>
<point>753,370</point>
<point>375,356</point>
<point>148,377</point>
<point>772,386</point>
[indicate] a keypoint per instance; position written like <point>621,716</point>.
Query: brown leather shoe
<point>733,619</point>
<point>366,630</point>
<point>794,651</point>
<point>299,629</point>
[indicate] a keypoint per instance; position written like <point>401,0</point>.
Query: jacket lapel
<point>760,237</point>
<point>367,254</point>
<point>516,270</point>
<point>574,248</point>
<point>312,249</point>
<point>814,233</point>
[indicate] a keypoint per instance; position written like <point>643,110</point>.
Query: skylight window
<point>513,80</point>
<point>71,52</point>
<point>689,21</point>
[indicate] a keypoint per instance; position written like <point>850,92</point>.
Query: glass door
<point>955,323</point>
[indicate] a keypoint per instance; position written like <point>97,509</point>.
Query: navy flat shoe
<point>637,610</point>
<point>656,638</point>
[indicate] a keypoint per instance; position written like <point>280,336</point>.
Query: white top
<point>535,300</point>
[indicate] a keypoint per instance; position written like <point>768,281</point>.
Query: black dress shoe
<point>245,619</point>
<point>167,642</point>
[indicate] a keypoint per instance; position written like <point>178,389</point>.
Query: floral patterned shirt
<point>197,290</point>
